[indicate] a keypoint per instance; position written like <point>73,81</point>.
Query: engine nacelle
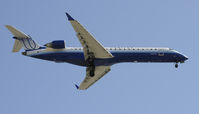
<point>57,44</point>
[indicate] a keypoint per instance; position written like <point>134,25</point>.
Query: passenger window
<point>161,54</point>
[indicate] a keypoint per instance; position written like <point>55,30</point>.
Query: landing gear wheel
<point>92,71</point>
<point>176,65</point>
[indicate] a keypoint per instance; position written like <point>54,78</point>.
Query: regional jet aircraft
<point>94,56</point>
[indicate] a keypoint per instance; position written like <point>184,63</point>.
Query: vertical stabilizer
<point>17,46</point>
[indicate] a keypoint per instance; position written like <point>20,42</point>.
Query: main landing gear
<point>92,71</point>
<point>90,64</point>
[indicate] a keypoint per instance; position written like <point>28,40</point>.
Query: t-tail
<point>22,40</point>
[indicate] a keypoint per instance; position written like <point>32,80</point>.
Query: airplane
<point>93,55</point>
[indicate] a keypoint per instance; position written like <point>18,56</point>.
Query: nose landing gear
<point>176,65</point>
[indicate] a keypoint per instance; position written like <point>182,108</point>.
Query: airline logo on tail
<point>28,43</point>
<point>22,40</point>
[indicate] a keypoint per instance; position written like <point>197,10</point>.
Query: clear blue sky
<point>32,86</point>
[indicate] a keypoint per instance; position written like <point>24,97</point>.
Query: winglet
<point>69,17</point>
<point>77,86</point>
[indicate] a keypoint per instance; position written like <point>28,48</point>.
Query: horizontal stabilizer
<point>16,32</point>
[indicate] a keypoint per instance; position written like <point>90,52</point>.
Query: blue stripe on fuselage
<point>77,57</point>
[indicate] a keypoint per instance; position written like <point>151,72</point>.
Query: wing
<point>90,46</point>
<point>88,42</point>
<point>100,71</point>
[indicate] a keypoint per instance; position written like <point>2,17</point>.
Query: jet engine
<point>57,44</point>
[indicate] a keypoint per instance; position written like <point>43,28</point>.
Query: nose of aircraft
<point>185,57</point>
<point>182,57</point>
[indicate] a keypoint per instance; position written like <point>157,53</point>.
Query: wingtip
<point>7,26</point>
<point>77,86</point>
<point>69,17</point>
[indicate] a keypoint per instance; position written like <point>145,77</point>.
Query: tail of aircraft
<point>22,40</point>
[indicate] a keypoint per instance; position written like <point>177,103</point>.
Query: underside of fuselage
<point>77,57</point>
